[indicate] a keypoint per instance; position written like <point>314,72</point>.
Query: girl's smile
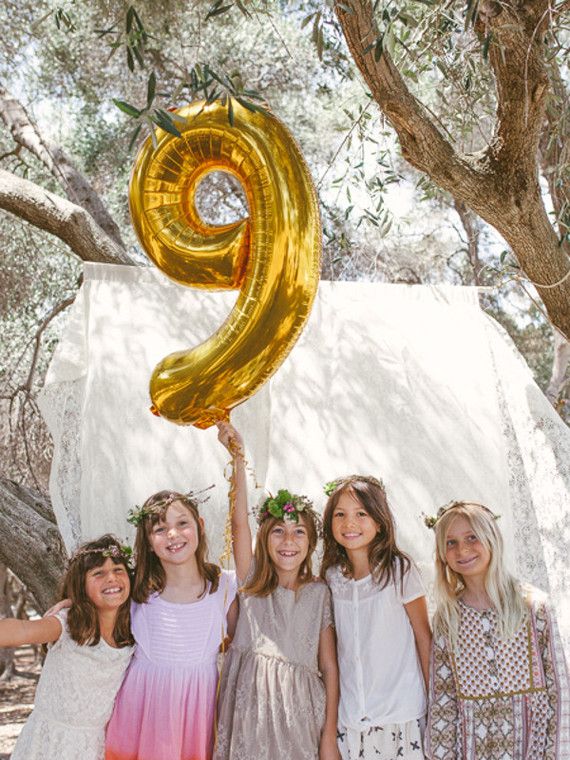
<point>352,526</point>
<point>288,545</point>
<point>464,553</point>
<point>107,585</point>
<point>175,538</point>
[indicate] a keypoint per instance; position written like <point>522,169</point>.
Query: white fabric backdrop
<point>413,384</point>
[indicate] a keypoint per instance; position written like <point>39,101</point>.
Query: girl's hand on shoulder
<point>328,748</point>
<point>58,607</point>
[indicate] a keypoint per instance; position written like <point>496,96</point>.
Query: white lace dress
<point>74,699</point>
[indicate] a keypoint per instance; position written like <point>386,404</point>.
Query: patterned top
<point>499,700</point>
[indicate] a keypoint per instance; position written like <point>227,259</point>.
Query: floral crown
<point>431,521</point>
<point>330,487</point>
<point>285,506</point>
<point>136,516</point>
<point>115,551</point>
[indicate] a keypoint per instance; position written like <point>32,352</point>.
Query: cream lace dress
<point>272,698</point>
<point>74,699</point>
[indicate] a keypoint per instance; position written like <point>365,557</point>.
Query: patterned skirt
<point>392,741</point>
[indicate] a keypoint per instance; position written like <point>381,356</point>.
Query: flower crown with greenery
<point>122,552</point>
<point>284,506</point>
<point>430,521</point>
<point>330,487</point>
<point>137,515</point>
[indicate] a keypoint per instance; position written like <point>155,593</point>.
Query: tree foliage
<point>437,133</point>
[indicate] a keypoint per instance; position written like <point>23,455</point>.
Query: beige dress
<point>272,697</point>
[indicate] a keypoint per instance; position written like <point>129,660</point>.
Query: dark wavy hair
<point>264,579</point>
<point>82,618</point>
<point>149,573</point>
<point>383,553</point>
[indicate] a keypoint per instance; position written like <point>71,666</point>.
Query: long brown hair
<point>383,553</point>
<point>264,579</point>
<point>82,618</point>
<point>149,574</point>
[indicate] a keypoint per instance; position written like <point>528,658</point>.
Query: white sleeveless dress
<point>74,699</point>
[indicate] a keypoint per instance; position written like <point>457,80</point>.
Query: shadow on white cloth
<point>413,384</point>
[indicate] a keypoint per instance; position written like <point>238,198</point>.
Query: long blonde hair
<point>503,589</point>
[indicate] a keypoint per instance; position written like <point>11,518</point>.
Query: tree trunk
<point>7,654</point>
<point>71,223</point>
<point>501,183</point>
<point>30,542</point>
<point>76,186</point>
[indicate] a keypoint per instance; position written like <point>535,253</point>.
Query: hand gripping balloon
<point>272,257</point>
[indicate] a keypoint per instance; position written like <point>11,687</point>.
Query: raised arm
<point>15,632</point>
<point>241,532</point>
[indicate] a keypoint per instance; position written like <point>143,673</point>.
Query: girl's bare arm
<point>14,632</point>
<point>328,749</point>
<point>418,615</point>
<point>241,532</point>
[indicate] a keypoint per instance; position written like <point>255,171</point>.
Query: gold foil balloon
<point>272,257</point>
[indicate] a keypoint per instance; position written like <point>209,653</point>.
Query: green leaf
<point>130,60</point>
<point>346,8</point>
<point>486,45</point>
<point>307,20</point>
<point>230,111</point>
<point>151,89</point>
<point>253,107</point>
<point>134,136</point>
<point>217,9</point>
<point>138,55</point>
<point>243,9</point>
<point>163,119</point>
<point>378,48</point>
<point>137,18</point>
<point>127,108</point>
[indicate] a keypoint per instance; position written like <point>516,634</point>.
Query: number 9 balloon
<point>272,257</point>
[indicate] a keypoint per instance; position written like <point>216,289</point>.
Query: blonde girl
<point>279,689</point>
<point>90,647</point>
<point>381,624</point>
<point>182,607</point>
<point>498,682</point>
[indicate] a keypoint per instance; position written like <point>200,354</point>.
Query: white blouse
<point>380,674</point>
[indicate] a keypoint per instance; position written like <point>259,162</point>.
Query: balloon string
<point>225,557</point>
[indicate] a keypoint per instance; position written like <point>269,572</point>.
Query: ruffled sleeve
<point>64,635</point>
<point>443,712</point>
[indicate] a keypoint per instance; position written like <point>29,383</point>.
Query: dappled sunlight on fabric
<point>413,384</point>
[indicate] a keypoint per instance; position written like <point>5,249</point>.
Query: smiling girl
<point>182,608</point>
<point>90,646</point>
<point>381,623</point>
<point>498,679</point>
<point>279,689</point>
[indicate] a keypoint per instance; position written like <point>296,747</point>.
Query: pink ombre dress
<point>165,707</point>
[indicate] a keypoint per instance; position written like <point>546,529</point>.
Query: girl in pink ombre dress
<point>183,607</point>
